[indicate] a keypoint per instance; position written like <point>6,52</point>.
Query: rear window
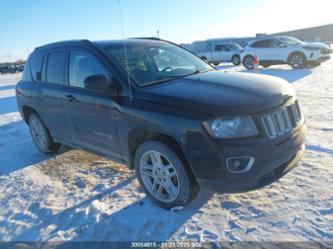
<point>55,67</point>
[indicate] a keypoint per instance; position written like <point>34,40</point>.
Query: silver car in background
<point>215,51</point>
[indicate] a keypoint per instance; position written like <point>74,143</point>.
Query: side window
<point>83,64</point>
<point>275,44</point>
<point>55,67</point>
<point>261,44</point>
<point>221,48</point>
<point>35,64</point>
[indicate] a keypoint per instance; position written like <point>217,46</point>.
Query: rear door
<point>221,52</point>
<point>90,115</point>
<point>49,88</point>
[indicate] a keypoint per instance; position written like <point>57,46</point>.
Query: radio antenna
<point>125,52</point>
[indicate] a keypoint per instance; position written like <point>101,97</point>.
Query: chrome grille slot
<point>281,120</point>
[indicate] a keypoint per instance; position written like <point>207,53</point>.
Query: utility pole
<point>158,34</point>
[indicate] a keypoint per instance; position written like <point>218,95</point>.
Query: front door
<point>278,51</point>
<point>90,115</point>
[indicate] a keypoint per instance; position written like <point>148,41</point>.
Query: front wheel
<point>162,175</point>
<point>41,136</point>
<point>297,60</point>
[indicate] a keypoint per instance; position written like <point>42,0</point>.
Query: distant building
<point>315,34</point>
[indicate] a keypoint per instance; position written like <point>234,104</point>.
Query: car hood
<point>315,45</point>
<point>221,93</point>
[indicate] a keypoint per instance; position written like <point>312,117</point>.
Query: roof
<point>105,43</point>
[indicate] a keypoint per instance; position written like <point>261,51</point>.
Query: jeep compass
<point>163,111</point>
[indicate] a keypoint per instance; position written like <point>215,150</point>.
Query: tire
<point>235,59</point>
<point>265,65</point>
<point>248,62</point>
<point>216,63</point>
<point>41,135</point>
<point>297,60</point>
<point>166,186</point>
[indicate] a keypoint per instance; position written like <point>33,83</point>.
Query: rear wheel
<point>297,60</point>
<point>162,175</point>
<point>41,136</point>
<point>235,60</point>
<point>248,61</point>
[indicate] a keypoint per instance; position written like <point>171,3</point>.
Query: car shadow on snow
<point>19,153</point>
<point>7,87</point>
<point>8,105</point>
<point>140,220</point>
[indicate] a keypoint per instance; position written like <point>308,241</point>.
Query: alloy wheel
<point>296,61</point>
<point>38,133</point>
<point>248,62</point>
<point>159,176</point>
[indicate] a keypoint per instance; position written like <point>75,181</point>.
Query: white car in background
<point>217,52</point>
<point>284,50</point>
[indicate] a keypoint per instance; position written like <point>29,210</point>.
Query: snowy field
<point>79,196</point>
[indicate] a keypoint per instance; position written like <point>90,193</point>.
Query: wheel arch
<point>139,135</point>
<point>27,111</point>
<point>247,55</point>
<point>296,52</point>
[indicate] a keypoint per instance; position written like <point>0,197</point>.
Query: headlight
<point>311,48</point>
<point>235,127</point>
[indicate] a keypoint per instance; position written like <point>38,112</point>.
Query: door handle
<point>70,98</point>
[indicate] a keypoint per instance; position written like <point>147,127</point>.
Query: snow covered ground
<point>79,196</point>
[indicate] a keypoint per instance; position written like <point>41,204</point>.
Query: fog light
<point>240,164</point>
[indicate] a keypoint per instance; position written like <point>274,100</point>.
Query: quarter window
<point>83,64</point>
<point>55,67</point>
<point>35,64</point>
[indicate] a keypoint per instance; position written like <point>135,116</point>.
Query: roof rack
<point>84,41</point>
<point>146,38</point>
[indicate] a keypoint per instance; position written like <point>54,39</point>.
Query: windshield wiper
<point>159,80</point>
<point>199,71</point>
<point>170,78</point>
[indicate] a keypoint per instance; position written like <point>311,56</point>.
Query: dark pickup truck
<point>163,111</point>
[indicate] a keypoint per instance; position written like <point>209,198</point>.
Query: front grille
<point>281,120</point>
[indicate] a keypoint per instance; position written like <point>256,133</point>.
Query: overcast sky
<point>27,24</point>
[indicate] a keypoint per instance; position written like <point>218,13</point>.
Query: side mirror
<point>282,46</point>
<point>100,83</point>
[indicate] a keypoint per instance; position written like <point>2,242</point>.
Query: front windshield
<point>290,41</point>
<point>156,62</point>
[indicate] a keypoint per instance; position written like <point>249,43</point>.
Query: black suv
<point>161,110</point>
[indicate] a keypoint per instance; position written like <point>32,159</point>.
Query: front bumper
<point>320,59</point>
<point>273,159</point>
